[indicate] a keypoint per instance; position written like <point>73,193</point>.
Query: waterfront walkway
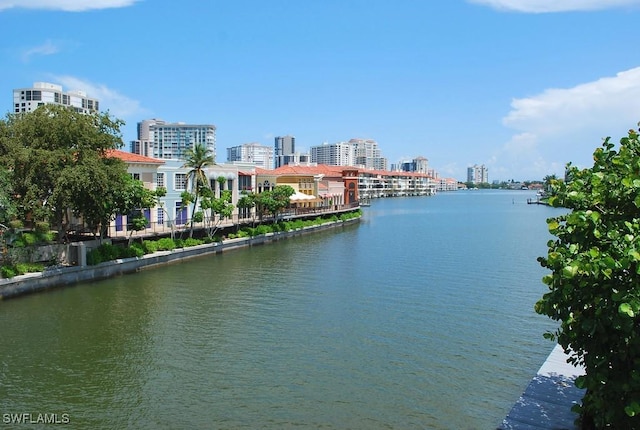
<point>546,403</point>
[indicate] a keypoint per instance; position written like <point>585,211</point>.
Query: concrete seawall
<point>64,276</point>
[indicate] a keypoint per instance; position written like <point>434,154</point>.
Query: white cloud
<point>47,48</point>
<point>65,5</point>
<point>544,6</point>
<point>118,105</point>
<point>567,125</point>
<point>599,104</point>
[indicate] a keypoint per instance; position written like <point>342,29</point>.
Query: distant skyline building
<point>284,147</point>
<point>478,174</point>
<point>41,93</point>
<point>418,164</point>
<point>260,155</point>
<point>334,154</point>
<point>368,154</point>
<point>160,139</point>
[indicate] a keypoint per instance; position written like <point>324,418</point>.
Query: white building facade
<point>259,155</point>
<point>335,154</point>
<point>168,141</point>
<point>478,174</point>
<point>41,93</point>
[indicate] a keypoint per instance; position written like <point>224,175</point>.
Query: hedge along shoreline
<point>66,276</point>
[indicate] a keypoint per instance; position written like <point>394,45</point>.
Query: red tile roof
<point>129,157</point>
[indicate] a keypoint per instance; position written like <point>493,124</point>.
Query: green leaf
<point>569,272</point>
<point>626,309</point>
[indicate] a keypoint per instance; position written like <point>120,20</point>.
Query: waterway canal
<point>420,316</point>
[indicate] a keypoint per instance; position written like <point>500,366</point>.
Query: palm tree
<point>197,158</point>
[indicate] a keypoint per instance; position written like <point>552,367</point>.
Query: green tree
<point>274,201</point>
<point>40,147</point>
<point>248,201</point>
<point>594,284</point>
<point>197,159</point>
<point>220,207</point>
<point>8,208</point>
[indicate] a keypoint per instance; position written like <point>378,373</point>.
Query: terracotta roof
<point>129,157</point>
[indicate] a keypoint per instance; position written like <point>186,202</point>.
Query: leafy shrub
<point>167,244</point>
<point>594,281</point>
<point>28,238</point>
<point>8,271</point>
<point>41,227</point>
<point>262,229</point>
<point>46,237</point>
<point>16,224</point>
<point>22,268</point>
<point>150,246</point>
<point>192,242</point>
<point>105,252</point>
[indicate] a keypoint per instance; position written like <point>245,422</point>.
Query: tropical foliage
<point>55,160</point>
<point>196,158</point>
<point>594,283</point>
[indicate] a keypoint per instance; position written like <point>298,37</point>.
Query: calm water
<point>420,316</point>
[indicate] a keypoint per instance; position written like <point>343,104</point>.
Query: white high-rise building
<point>368,154</point>
<point>478,174</point>
<point>41,93</point>
<point>335,154</point>
<point>160,139</point>
<point>260,155</point>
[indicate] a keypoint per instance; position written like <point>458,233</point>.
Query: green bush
<point>594,281</point>
<point>150,246</point>
<point>16,224</point>
<point>41,227</point>
<point>168,244</point>
<point>8,271</point>
<point>28,238</point>
<point>192,242</point>
<point>262,229</point>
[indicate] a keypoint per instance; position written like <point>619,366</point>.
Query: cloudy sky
<point>522,86</point>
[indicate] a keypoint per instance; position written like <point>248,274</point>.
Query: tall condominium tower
<point>260,155</point>
<point>41,93</point>
<point>478,174</point>
<point>368,154</point>
<point>160,139</point>
<point>285,147</point>
<point>335,154</point>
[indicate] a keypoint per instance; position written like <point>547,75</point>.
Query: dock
<point>546,402</point>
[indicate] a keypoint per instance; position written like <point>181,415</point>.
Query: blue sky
<point>522,86</point>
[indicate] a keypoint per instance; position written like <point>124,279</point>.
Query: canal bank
<point>65,276</point>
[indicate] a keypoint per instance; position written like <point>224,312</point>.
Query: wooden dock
<point>546,403</point>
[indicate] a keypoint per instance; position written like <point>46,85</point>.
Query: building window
<point>160,216</point>
<point>180,182</point>
<point>136,176</point>
<point>160,180</point>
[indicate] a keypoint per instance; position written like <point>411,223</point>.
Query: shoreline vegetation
<point>108,259</point>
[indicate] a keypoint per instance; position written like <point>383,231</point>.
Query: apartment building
<point>478,174</point>
<point>255,153</point>
<point>167,141</point>
<point>41,93</point>
<point>284,148</point>
<point>335,154</point>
